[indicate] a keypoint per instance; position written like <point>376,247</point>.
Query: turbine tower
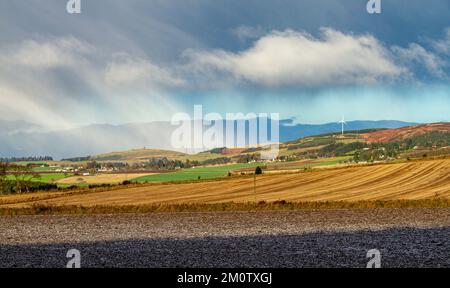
<point>342,122</point>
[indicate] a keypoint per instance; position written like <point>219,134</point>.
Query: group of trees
<point>216,161</point>
<point>383,151</point>
<point>340,149</point>
<point>312,143</point>
<point>163,163</point>
<point>26,159</point>
<point>370,152</point>
<point>77,159</point>
<point>428,140</point>
<point>370,155</point>
<point>247,158</point>
<point>17,178</point>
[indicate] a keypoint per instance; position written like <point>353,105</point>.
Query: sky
<point>145,60</point>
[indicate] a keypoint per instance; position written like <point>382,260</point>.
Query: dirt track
<point>414,180</point>
<point>325,238</point>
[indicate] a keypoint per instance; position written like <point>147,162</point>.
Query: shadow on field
<point>400,247</point>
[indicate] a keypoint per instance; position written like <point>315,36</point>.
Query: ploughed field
<point>321,238</point>
<point>408,181</point>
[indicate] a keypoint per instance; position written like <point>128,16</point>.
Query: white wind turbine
<point>342,122</point>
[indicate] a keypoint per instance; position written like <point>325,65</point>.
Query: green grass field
<point>323,162</point>
<point>213,172</point>
<point>47,177</point>
<point>193,173</point>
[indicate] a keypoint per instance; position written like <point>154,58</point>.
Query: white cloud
<point>296,58</point>
<point>416,54</point>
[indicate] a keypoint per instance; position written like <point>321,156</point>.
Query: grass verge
<point>224,207</point>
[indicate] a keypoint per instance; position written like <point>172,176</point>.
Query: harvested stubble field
<point>401,181</point>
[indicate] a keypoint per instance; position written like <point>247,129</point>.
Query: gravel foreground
<point>322,238</point>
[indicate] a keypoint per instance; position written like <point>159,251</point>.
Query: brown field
<point>100,179</point>
<point>401,181</point>
<point>390,135</point>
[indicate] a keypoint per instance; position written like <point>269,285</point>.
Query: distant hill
<point>291,132</point>
<point>139,154</point>
<point>98,138</point>
<point>416,141</point>
<point>328,144</point>
<point>404,133</point>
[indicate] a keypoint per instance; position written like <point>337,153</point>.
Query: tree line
<point>26,159</point>
<point>20,179</point>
